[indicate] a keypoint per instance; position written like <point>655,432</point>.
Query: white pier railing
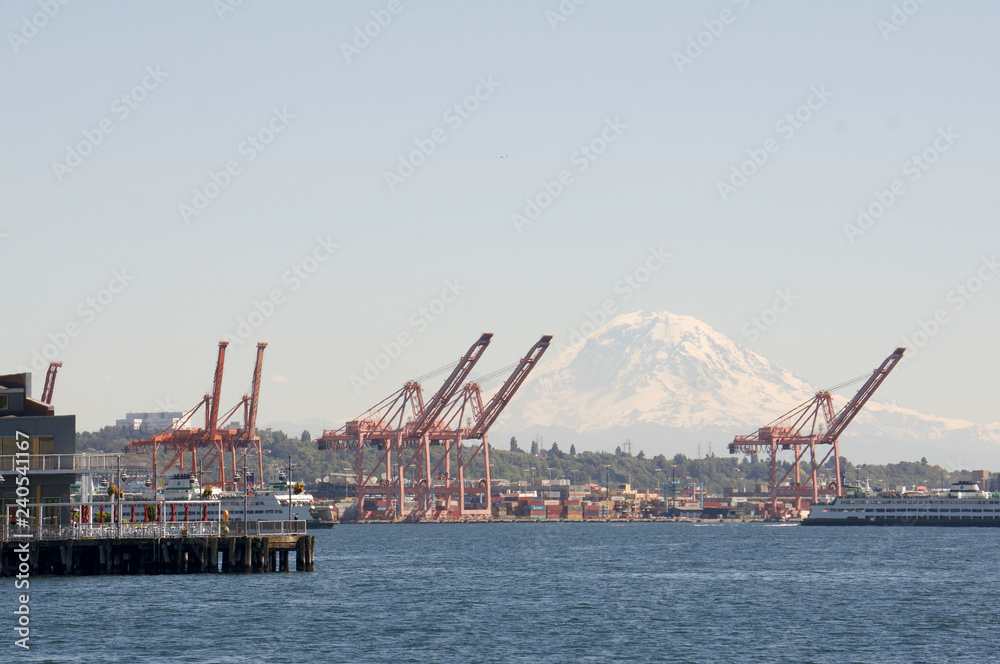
<point>130,520</point>
<point>63,463</point>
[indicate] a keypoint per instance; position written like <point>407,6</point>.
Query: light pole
<point>289,482</point>
<point>246,492</point>
<point>607,480</point>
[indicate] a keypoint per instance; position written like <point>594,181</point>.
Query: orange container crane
<point>212,437</point>
<point>378,428</point>
<point>244,438</point>
<point>180,438</point>
<point>805,428</point>
<point>249,439</point>
<point>401,421</point>
<point>469,406</point>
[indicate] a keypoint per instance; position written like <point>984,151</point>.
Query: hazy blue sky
<point>116,115</point>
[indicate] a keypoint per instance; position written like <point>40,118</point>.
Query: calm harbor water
<point>562,592</point>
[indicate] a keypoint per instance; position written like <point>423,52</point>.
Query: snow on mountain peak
<point>669,380</point>
<point>657,368</point>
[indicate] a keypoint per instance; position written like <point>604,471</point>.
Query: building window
<point>3,402</point>
<point>46,445</point>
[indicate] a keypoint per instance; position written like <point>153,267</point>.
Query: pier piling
<point>171,555</point>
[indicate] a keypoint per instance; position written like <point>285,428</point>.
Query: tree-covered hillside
<point>716,472</point>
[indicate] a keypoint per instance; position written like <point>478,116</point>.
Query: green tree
<point>305,437</point>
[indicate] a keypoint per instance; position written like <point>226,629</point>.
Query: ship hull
<point>992,522</point>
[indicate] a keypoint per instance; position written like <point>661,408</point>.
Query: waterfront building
<point>47,435</point>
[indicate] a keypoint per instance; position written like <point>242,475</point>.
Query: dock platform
<point>189,548</point>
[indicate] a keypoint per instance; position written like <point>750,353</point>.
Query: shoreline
<point>532,521</point>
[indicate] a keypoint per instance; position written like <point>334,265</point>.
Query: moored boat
<point>965,504</point>
<point>268,504</point>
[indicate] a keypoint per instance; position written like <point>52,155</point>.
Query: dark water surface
<point>550,593</point>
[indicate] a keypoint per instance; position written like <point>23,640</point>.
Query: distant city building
<point>982,478</point>
<point>46,432</point>
<point>148,422</point>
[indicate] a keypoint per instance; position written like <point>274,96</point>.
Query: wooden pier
<point>156,555</point>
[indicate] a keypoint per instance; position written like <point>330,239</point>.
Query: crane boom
<point>496,405</point>
<point>848,412</point>
<point>250,424</point>
<point>213,417</point>
<point>50,382</point>
<point>451,385</point>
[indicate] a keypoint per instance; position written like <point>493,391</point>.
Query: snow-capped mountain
<point>667,381</point>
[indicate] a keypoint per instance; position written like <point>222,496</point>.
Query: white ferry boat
<point>270,504</point>
<point>965,504</point>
